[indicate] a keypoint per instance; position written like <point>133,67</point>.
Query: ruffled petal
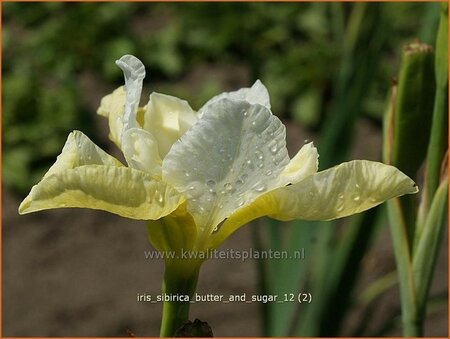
<point>232,155</point>
<point>167,118</point>
<point>119,190</point>
<point>79,150</point>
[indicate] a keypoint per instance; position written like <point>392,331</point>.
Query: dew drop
<point>210,183</point>
<point>220,206</point>
<point>259,155</point>
<point>159,197</point>
<point>269,172</point>
<point>259,187</point>
<point>356,198</point>
<point>244,113</point>
<point>261,165</point>
<point>306,141</point>
<point>186,174</point>
<point>195,190</point>
<point>228,186</point>
<point>274,149</point>
<point>244,177</point>
<point>249,162</point>
<point>340,208</point>
<point>239,182</point>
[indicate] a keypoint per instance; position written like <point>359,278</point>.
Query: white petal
<point>134,73</point>
<point>141,151</point>
<point>167,118</point>
<point>257,94</point>
<point>233,154</point>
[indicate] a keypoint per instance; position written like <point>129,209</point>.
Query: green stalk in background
<point>416,121</point>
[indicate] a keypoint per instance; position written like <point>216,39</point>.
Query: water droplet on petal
<point>210,183</point>
<point>194,190</point>
<point>259,187</point>
<point>306,141</point>
<point>228,186</point>
<point>259,155</point>
<point>261,165</point>
<point>356,198</point>
<point>239,182</point>
<point>269,172</point>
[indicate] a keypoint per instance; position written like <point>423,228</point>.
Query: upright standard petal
<point>257,94</point>
<point>119,190</point>
<point>167,118</point>
<point>112,107</point>
<point>134,73</point>
<point>232,155</point>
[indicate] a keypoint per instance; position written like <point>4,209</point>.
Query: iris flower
<point>199,176</point>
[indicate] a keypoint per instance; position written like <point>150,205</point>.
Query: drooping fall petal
<point>346,189</point>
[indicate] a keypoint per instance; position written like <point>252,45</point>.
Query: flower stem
<point>180,281</point>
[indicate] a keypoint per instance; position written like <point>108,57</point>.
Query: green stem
<point>180,279</point>
<point>412,324</point>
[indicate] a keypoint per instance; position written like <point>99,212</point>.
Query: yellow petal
<point>79,150</point>
<point>141,151</point>
<point>167,118</point>
<point>119,190</point>
<point>232,155</point>
<point>112,107</point>
<point>343,190</point>
<point>302,165</point>
<point>173,232</point>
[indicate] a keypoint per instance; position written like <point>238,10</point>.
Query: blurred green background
<point>58,61</point>
<point>328,69</point>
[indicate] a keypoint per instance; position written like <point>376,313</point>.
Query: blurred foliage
<point>194,50</point>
